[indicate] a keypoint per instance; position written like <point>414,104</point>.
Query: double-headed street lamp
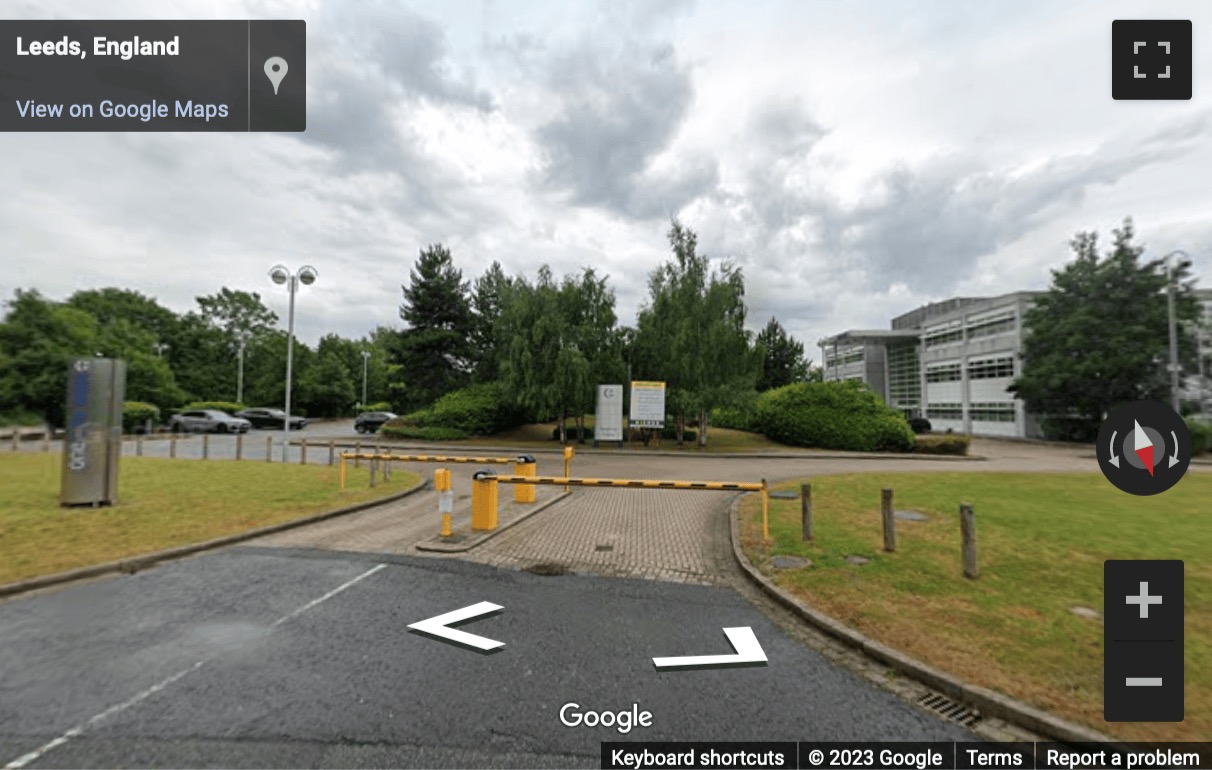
<point>280,275</point>
<point>242,342</point>
<point>1174,401</point>
<point>365,364</point>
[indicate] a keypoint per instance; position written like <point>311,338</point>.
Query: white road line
<point>76,731</point>
<point>326,596</point>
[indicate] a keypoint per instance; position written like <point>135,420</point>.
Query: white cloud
<point>854,159</point>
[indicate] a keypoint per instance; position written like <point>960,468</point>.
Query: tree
<point>237,312</point>
<point>327,390</point>
<point>691,333</point>
<point>587,312</point>
<point>434,352</point>
<point>112,305</point>
<point>783,361</point>
<point>1098,336</point>
<point>487,296</point>
<point>38,340</point>
<point>203,360</point>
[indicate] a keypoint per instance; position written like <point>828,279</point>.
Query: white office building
<point>952,362</point>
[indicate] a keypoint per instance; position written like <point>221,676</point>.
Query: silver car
<point>207,421</point>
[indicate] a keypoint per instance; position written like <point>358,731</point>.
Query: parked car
<point>207,421</point>
<point>271,418</point>
<point>369,422</point>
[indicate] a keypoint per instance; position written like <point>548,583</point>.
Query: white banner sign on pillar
<point>608,420</point>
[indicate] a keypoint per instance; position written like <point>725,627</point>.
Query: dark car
<point>271,418</point>
<point>207,421</point>
<point>369,422</point>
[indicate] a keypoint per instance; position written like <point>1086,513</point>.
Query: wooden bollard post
<point>172,447</point>
<point>16,439</point>
<point>357,451</point>
<point>138,446</point>
<point>968,534</point>
<point>332,448</point>
<point>269,449</point>
<point>239,446</point>
<point>205,446</point>
<point>374,466</point>
<point>46,440</point>
<point>806,511</point>
<point>889,520</point>
<point>303,452</point>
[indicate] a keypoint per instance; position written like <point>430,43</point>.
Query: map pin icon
<point>275,70</point>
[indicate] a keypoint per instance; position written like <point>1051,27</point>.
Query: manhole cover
<point>603,548</point>
<point>547,569</point>
<point>859,560</point>
<point>909,515</point>
<point>785,495</point>
<point>1085,612</point>
<point>790,562</point>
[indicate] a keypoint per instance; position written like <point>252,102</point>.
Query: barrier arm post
<point>567,464</point>
<point>441,482</point>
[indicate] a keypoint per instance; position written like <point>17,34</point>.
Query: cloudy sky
<point>857,159</point>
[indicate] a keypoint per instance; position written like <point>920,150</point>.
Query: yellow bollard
<point>524,466</point>
<point>765,511</point>
<point>342,471</point>
<point>441,482</point>
<point>567,464</point>
<point>484,501</point>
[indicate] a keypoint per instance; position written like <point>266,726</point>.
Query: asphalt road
<point>253,657</point>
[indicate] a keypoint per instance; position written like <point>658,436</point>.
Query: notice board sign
<point>647,404</point>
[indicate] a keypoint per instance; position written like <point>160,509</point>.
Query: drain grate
<point>548,569</point>
<point>603,548</point>
<point>949,709</point>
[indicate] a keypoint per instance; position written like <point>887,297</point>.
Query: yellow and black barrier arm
<point>706,486</point>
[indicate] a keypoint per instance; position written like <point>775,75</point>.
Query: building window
<point>1001,323</point>
<point>991,368</point>
<point>944,412</point>
<point>936,339</point>
<point>904,375</point>
<point>944,373</point>
<point>992,412</point>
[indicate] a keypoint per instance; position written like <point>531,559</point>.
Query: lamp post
<point>365,366</point>
<point>160,348</point>
<point>281,276</point>
<point>242,341</point>
<point>1174,402</point>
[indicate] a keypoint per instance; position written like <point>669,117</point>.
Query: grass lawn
<point>162,503</point>
<point>1041,539</point>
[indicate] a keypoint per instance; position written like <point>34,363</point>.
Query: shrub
<point>733,417</point>
<point>920,425</point>
<point>1077,429</point>
<point>430,433</point>
<point>955,444</point>
<point>231,407</point>
<point>135,415</point>
<point>478,410</point>
<point>378,406</point>
<point>832,415</point>
<point>1201,436</point>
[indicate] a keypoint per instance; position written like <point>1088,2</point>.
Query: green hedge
<point>378,406</point>
<point>432,433</point>
<point>478,410</point>
<point>135,415</point>
<point>231,407</point>
<point>1201,436</point>
<point>832,415</point>
<point>954,444</point>
<point>737,418</point>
